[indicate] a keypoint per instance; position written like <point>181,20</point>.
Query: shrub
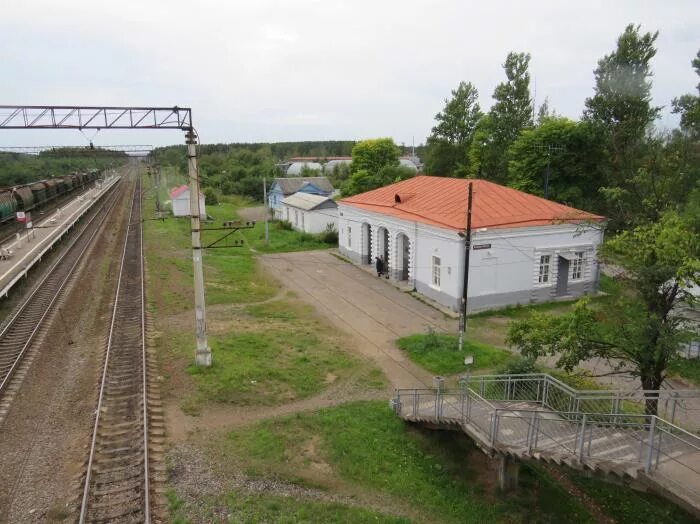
<point>330,235</point>
<point>210,196</point>
<point>519,366</point>
<point>285,225</point>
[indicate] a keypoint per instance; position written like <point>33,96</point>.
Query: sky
<point>264,70</point>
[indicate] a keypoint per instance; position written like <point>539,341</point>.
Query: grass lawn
<point>627,506</point>
<point>423,475</point>
<point>267,349</point>
<point>237,507</point>
<point>438,353</point>
<point>687,368</point>
<point>283,240</point>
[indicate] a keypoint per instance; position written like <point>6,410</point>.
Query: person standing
<point>380,266</point>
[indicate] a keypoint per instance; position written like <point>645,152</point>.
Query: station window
<point>577,266</point>
<point>349,236</point>
<point>544,269</point>
<point>436,272</point>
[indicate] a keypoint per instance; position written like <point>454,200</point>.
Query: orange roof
<point>442,202</point>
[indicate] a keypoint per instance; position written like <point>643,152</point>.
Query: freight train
<point>38,195</point>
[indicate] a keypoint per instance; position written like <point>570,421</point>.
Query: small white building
<point>524,248</point>
<point>180,197</point>
<point>310,213</point>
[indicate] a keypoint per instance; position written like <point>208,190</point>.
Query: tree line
<point>614,162</point>
<point>239,168</point>
<point>18,168</point>
<point>611,161</point>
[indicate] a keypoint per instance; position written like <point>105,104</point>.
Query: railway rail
<point>21,328</point>
<point>117,487</point>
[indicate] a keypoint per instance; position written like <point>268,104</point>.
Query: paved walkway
<point>32,244</point>
<point>373,311</point>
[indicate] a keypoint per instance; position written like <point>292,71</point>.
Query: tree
<point>637,330</point>
<point>375,163</point>
<point>621,111</point>
<point>372,155</point>
<point>510,114</point>
<point>569,150</point>
<point>622,100</point>
<point>688,106</point>
<point>363,180</point>
<point>450,138</point>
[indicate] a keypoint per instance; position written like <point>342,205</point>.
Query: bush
<point>330,235</point>
<point>285,225</point>
<point>210,196</point>
<point>519,366</point>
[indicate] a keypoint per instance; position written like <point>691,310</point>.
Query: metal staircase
<point>538,417</point>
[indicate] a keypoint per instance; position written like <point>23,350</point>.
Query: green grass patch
<point>627,506</point>
<point>435,476</point>
<point>240,507</point>
<point>266,351</point>
<point>521,310</point>
<point>439,354</point>
<point>687,368</point>
<point>283,240</point>
<point>279,364</point>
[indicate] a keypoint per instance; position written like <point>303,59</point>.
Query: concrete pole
<point>203,353</point>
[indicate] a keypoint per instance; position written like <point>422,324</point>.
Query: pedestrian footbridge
<point>537,417</point>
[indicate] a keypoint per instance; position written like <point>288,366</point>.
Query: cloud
<point>308,69</point>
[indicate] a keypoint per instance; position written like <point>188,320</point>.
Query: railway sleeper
<point>108,488</point>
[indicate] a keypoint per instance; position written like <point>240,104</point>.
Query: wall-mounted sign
<point>481,246</point>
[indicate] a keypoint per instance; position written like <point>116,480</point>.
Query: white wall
<point>505,273</point>
<point>181,205</point>
<point>315,221</point>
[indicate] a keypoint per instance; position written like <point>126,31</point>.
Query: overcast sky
<point>262,70</point>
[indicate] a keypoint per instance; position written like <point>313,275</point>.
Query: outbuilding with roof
<point>180,197</point>
<point>524,248</point>
<point>310,213</point>
<point>283,187</point>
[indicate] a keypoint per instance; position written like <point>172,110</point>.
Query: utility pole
<point>267,211</point>
<point>203,353</point>
<point>465,281</point>
<point>548,148</point>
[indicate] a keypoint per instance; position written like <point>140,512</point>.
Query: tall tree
<point>621,108</point>
<point>374,154</point>
<point>562,152</point>
<point>509,115</point>
<point>638,330</point>
<point>375,163</point>
<point>688,106</point>
<point>622,100</point>
<point>450,138</point>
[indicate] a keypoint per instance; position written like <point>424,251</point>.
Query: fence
<point>631,441</point>
<point>550,393</point>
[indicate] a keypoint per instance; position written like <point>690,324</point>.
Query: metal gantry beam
<point>95,117</point>
<point>115,117</point>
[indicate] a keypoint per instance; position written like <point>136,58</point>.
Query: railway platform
<point>19,254</point>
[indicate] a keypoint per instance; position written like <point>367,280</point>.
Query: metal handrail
<point>632,442</point>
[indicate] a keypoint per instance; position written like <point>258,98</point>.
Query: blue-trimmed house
<point>284,187</point>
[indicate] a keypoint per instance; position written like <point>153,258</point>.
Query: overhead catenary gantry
<point>130,149</point>
<point>120,117</point>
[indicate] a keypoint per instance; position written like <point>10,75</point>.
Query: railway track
<point>21,329</point>
<point>117,487</point>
